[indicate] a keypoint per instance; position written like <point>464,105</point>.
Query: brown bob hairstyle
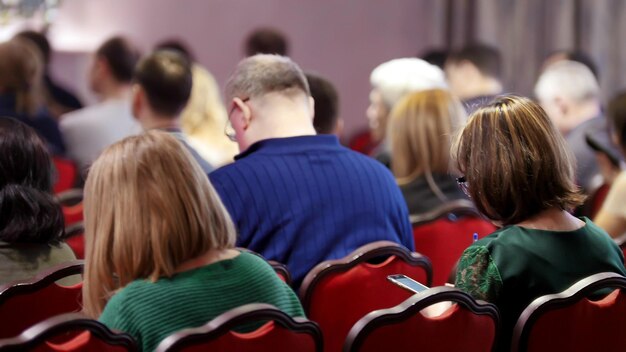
<point>515,161</point>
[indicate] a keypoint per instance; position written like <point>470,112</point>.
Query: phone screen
<point>407,283</point>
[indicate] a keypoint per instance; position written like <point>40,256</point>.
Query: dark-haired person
<point>21,96</point>
<point>326,119</point>
<point>89,130</point>
<point>266,41</point>
<point>31,221</point>
<point>161,90</point>
<point>519,173</point>
<point>572,55</point>
<point>59,99</point>
<point>474,74</point>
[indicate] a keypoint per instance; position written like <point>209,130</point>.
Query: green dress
<point>151,311</point>
<point>514,265</point>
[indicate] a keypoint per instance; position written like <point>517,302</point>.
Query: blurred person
<point>420,130</point>
<point>160,251</point>
<point>391,81</point>
<point>89,130</point>
<point>520,174</point>
<point>58,98</point>
<point>474,74</point>
<point>436,57</point>
<point>204,116</point>
<point>572,55</point>
<point>161,89</point>
<point>326,118</point>
<point>31,221</point>
<point>266,40</point>
<point>570,94</point>
<point>297,197</point>
<point>21,96</point>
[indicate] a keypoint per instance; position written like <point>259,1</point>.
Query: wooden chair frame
<point>456,208</point>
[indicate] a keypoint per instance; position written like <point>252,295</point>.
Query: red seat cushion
<point>67,173</point>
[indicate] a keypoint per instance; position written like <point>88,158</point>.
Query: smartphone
<point>407,283</point>
<point>599,147</point>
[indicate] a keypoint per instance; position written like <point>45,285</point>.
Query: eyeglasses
<point>229,131</point>
<point>462,183</point>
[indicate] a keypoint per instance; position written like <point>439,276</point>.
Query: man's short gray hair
<point>261,74</point>
<point>568,79</point>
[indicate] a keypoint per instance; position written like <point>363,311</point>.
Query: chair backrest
<point>67,174</point>
<point>75,238</point>
<point>594,201</point>
<point>337,293</point>
<point>281,269</point>
<point>69,332</point>
<point>468,325</point>
<point>444,233</point>
<point>23,304</point>
<point>72,205</point>
<point>280,332</point>
<point>571,321</point>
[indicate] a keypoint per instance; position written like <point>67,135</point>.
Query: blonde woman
<point>159,245</point>
<point>420,130</point>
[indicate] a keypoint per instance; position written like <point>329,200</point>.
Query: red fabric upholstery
<point>444,240</point>
<point>340,298</point>
<point>362,142</point>
<point>67,173</point>
<point>77,243</point>
<point>84,342</point>
<point>73,214</point>
<point>583,326</point>
<point>597,199</point>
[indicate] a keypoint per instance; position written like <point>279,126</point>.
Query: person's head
<point>569,93</point>
<point>268,96</point>
<point>393,80</point>
<point>420,131</point>
<point>436,57</point>
<point>266,41</point>
<point>326,119</point>
<point>162,86</point>
<point>616,113</point>
<point>572,55</point>
<point>177,45</point>
<point>148,209</point>
<point>40,41</point>
<point>28,211</point>
<point>113,65</point>
<point>21,72</point>
<point>515,162</point>
<point>474,71</point>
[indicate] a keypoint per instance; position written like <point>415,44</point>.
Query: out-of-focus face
<point>95,74</point>
<point>555,111</point>
<point>457,77</point>
<point>377,114</point>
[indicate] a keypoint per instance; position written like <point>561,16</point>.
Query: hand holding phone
<point>407,283</point>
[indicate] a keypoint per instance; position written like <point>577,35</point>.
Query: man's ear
<point>137,100</point>
<point>244,110</point>
<point>312,107</point>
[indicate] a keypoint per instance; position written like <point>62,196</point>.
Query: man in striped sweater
<point>297,197</point>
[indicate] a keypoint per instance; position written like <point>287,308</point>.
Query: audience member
<point>204,117</point>
<point>297,197</point>
<point>612,215</point>
<point>474,74</point>
<point>519,173</point>
<point>267,41</point>
<point>159,244</point>
<point>570,95</point>
<point>572,55</point>
<point>326,115</point>
<point>59,99</point>
<point>31,221</point>
<point>391,81</point>
<point>89,130</point>
<point>436,57</point>
<point>161,90</point>
<point>20,91</point>
<point>420,130</point>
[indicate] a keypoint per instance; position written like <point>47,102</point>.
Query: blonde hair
<point>148,209</point>
<point>21,73</point>
<point>420,130</point>
<point>515,161</point>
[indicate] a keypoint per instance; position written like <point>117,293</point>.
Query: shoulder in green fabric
<point>478,275</point>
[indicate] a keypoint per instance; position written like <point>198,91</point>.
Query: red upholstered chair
<point>281,269</point>
<point>23,304</point>
<point>280,333</point>
<point>337,293</point>
<point>571,321</point>
<point>69,332</point>
<point>594,202</point>
<point>75,238</point>
<point>468,325</point>
<point>72,205</point>
<point>444,233</point>
<point>67,174</point>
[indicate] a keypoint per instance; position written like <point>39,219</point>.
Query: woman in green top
<point>159,245</point>
<point>519,173</point>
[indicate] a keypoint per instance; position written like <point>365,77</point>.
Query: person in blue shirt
<point>294,196</point>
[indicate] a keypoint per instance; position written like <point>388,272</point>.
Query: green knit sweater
<point>150,312</point>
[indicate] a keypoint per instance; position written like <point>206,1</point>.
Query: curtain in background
<point>526,31</point>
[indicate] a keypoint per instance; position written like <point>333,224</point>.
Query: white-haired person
<point>392,81</point>
<point>569,93</point>
<point>160,251</point>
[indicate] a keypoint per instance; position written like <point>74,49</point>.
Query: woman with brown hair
<point>420,130</point>
<point>520,174</point>
<point>159,245</point>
